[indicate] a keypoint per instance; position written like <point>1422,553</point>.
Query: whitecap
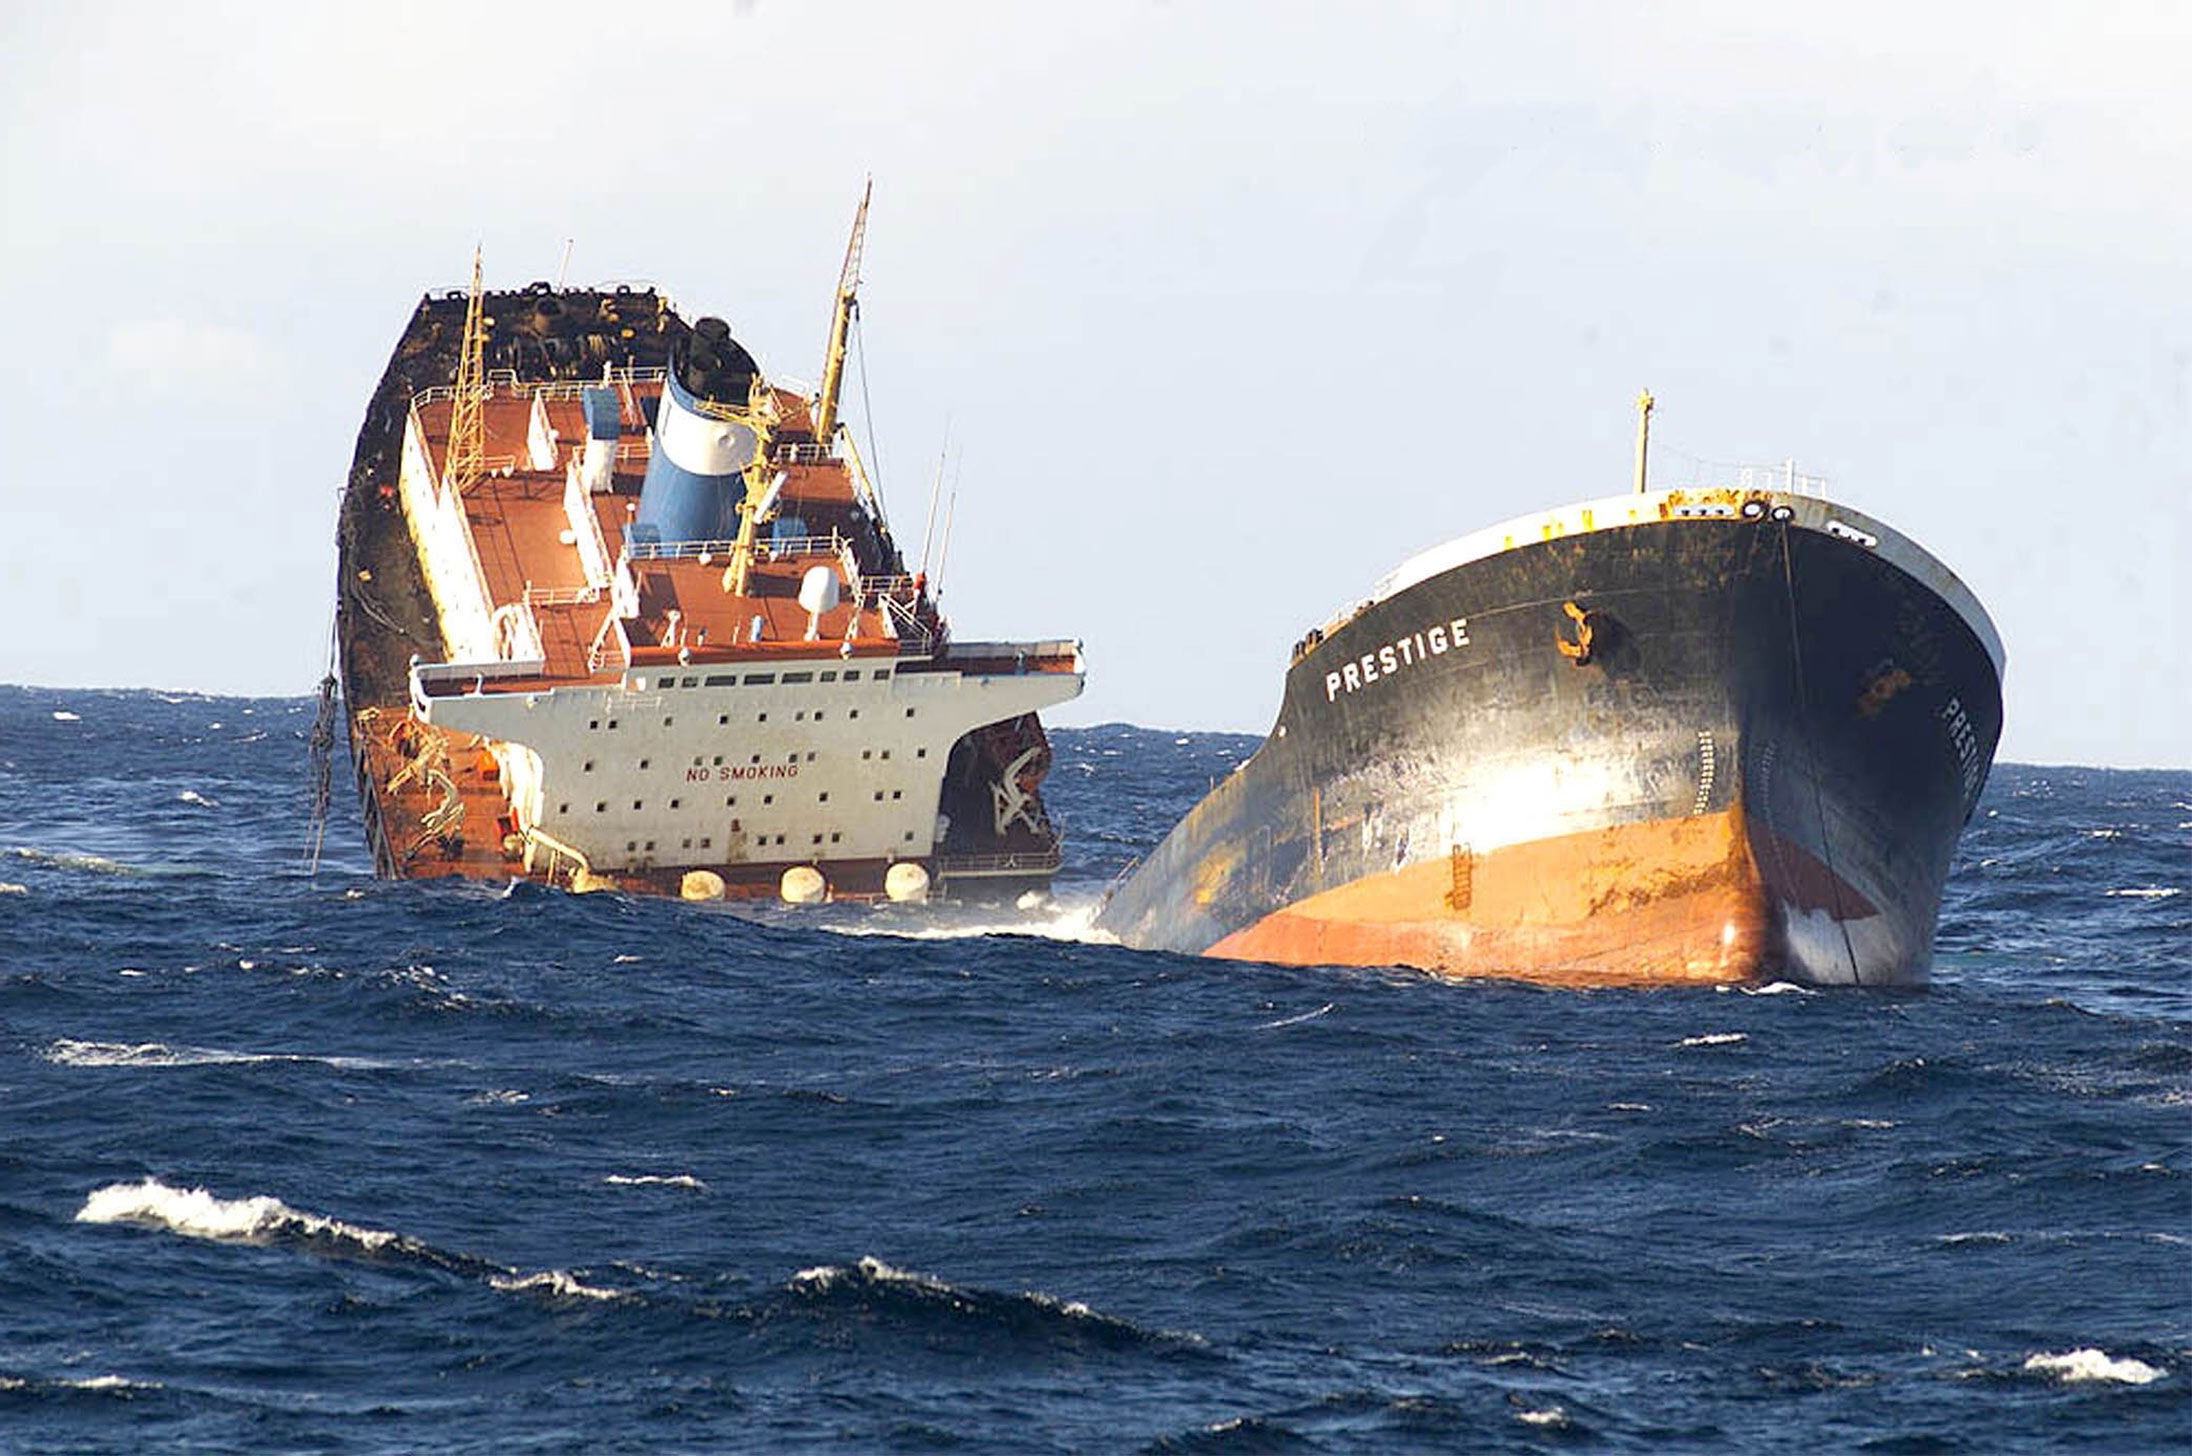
<point>1067,922</point>
<point>553,1282</point>
<point>9,888</point>
<point>1713,1038</point>
<point>1628,1107</point>
<point>1324,1010</point>
<point>63,715</point>
<point>97,864</point>
<point>196,1213</point>
<point>192,796</point>
<point>72,1052</point>
<point>656,1180</point>
<point>1777,988</point>
<point>627,960</point>
<point>2146,892</point>
<point>1550,1416</point>
<point>2092,1364</point>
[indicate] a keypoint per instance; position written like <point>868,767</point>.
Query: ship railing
<point>903,623</point>
<point>1783,477</point>
<point>431,680</point>
<point>506,381</point>
<point>561,596</point>
<point>639,449</point>
<point>562,389</point>
<point>965,866</point>
<point>803,452</point>
<point>776,550</point>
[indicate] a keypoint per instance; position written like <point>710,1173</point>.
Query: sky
<point>1224,309</point>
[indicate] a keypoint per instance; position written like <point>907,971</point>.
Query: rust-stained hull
<point>1662,901</point>
<point>1680,749</point>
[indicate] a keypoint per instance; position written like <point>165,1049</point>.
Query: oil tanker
<point>1672,736</point>
<point>618,610</point>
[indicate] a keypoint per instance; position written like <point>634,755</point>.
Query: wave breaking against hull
<point>1675,737</point>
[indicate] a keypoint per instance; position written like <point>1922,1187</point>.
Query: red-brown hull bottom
<point>1676,901</point>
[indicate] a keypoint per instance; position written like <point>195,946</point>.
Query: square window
<point>761,717</point>
<point>706,842</point>
<point>829,677</point>
<point>878,796</point>
<point>823,797</point>
<point>636,803</point>
<point>643,763</point>
<point>674,803</point>
<point>920,753</point>
<point>722,720</point>
<point>791,758</point>
<point>818,839</point>
<point>592,724</point>
<point>909,836</point>
<point>755,759</point>
<point>730,801</point>
<point>718,760</point>
<point>650,844</point>
<point>810,755</point>
<point>734,826</point>
<point>630,845</point>
<point>867,753</point>
<point>818,715</point>
<point>852,674</point>
<point>854,714</point>
<point>563,808</point>
<point>768,798</point>
<point>696,760</point>
<point>612,724</point>
<point>909,712</point>
<point>688,844</point>
<point>886,753</point>
<point>834,837</point>
<point>667,721</point>
<point>897,794</point>
<point>800,716</point>
<point>601,808</point>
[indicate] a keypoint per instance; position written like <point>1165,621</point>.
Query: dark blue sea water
<point>335,1165</point>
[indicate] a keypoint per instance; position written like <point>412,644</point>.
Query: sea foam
<point>2092,1364</point>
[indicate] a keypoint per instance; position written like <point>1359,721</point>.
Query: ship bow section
<point>1678,749</point>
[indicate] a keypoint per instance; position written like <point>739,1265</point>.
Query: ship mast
<point>848,287</point>
<point>467,425</point>
<point>1644,404</point>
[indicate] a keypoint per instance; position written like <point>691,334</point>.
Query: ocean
<point>301,1163</point>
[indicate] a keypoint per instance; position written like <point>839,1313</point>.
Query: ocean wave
<point>1324,1010</point>
<point>192,796</point>
<point>2146,892</point>
<point>70,1052</point>
<point>1714,1038</point>
<point>90,864</point>
<point>196,1213</point>
<point>876,1289</point>
<point>1066,921</point>
<point>2091,1364</point>
<point>1778,988</point>
<point>9,888</point>
<point>656,1180</point>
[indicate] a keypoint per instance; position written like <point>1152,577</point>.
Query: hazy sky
<point>1229,308</point>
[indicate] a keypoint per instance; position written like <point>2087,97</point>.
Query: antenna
<point>565,271</point>
<point>1644,404</point>
<point>943,555</point>
<point>467,426</point>
<point>848,289</point>
<point>936,487</point>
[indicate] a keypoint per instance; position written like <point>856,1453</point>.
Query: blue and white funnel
<point>694,474</point>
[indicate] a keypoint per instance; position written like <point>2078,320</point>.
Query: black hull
<point>1825,709</point>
